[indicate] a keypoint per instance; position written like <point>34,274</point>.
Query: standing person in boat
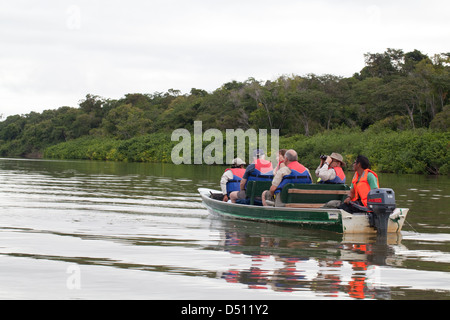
<point>363,181</point>
<point>231,178</point>
<point>330,169</point>
<point>260,170</point>
<point>293,172</point>
<point>280,160</point>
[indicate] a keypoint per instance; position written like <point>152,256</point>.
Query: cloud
<point>55,52</point>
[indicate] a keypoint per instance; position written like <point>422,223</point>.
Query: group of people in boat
<point>289,170</point>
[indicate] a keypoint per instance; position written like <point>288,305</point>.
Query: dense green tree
<point>384,64</point>
<point>442,120</point>
<point>126,121</point>
<point>308,104</point>
<point>402,96</point>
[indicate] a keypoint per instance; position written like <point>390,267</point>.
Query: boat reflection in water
<point>289,259</point>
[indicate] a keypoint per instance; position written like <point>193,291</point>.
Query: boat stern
<point>359,222</point>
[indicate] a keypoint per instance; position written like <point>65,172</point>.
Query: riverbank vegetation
<point>420,151</point>
<point>396,110</point>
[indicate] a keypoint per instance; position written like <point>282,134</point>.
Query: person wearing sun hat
<point>231,178</point>
<point>330,169</point>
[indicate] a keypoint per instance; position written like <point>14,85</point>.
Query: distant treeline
<point>396,110</point>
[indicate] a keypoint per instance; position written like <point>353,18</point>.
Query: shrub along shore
<point>419,151</point>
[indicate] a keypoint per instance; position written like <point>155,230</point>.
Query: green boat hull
<point>316,218</point>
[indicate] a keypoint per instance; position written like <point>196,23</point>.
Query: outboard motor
<point>382,203</point>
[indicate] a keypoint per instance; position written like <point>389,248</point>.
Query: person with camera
<point>330,169</point>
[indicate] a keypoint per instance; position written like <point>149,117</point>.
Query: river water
<point>108,230</point>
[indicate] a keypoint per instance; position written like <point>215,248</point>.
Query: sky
<point>55,52</point>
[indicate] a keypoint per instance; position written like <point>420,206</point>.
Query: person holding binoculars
<point>330,169</point>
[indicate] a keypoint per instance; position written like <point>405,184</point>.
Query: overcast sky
<point>54,52</point>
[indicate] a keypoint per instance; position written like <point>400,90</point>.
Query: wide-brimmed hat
<point>338,157</point>
<point>238,162</point>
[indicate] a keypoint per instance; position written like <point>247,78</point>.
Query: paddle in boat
<point>306,205</point>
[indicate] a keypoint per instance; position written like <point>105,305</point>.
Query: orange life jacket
<point>297,166</point>
<point>299,174</point>
<point>237,171</point>
<point>263,166</point>
<point>340,176</point>
<point>263,171</point>
<point>362,186</point>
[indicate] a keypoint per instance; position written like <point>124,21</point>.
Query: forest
<point>396,111</point>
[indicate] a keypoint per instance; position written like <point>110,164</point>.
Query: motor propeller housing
<point>382,203</point>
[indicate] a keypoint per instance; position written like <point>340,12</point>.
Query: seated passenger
<point>330,169</point>
<point>231,178</point>
<point>363,181</point>
<point>259,170</point>
<point>294,172</point>
<point>280,160</point>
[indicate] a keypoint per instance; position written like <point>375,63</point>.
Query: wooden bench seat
<point>296,195</point>
<point>312,195</point>
<point>304,205</point>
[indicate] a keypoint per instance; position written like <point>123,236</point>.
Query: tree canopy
<point>395,91</point>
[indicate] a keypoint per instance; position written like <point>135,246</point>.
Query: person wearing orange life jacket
<point>259,170</point>
<point>294,172</point>
<point>330,169</point>
<point>363,181</point>
<point>231,178</point>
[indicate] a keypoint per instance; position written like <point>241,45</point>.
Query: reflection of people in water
<point>292,271</point>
